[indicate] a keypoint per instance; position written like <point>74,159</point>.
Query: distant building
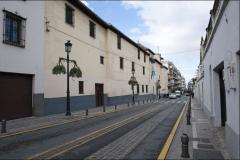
<point>218,80</point>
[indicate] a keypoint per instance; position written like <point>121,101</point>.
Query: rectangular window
<point>81,87</point>
<point>121,63</point>
<point>139,54</point>
<point>14,28</point>
<point>146,88</point>
<point>133,66</point>
<point>69,15</point>
<point>119,42</point>
<point>137,88</point>
<point>101,60</point>
<point>143,70</point>
<point>142,88</point>
<point>92,29</point>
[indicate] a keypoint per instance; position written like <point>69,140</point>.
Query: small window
<point>133,66</point>
<point>14,28</point>
<point>69,15</point>
<point>142,88</point>
<point>92,29</point>
<point>143,70</point>
<point>121,63</point>
<point>146,88</point>
<point>81,87</point>
<point>139,54</point>
<point>144,57</point>
<point>137,88</point>
<point>119,42</point>
<point>101,60</point>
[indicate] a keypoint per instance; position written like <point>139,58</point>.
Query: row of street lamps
<point>76,72</point>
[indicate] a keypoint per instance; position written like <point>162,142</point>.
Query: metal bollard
<point>86,112</point>
<point>115,107</point>
<point>188,118</point>
<point>138,102</point>
<point>185,141</point>
<point>128,104</point>
<point>4,126</point>
<point>104,108</point>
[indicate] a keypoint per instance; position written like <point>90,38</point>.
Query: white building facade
<point>218,82</point>
<point>104,54</point>
<point>21,58</point>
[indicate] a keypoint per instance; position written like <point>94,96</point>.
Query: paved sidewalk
<point>205,140</point>
<point>31,123</point>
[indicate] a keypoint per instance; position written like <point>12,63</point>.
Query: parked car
<point>172,96</point>
<point>178,93</point>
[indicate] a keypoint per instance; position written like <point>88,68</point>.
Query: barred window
<point>121,62</point>
<point>133,66</point>
<point>81,87</point>
<point>69,15</point>
<point>139,53</point>
<point>119,42</point>
<point>92,29</point>
<point>14,28</point>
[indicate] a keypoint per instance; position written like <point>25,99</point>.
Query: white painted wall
<point>87,51</point>
<point>28,60</point>
<point>225,44</point>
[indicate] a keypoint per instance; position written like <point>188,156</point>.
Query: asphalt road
<point>135,133</point>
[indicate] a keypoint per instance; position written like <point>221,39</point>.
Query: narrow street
<point>137,132</point>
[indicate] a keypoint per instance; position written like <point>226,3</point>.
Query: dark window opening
<point>119,42</point>
<point>139,54</point>
<point>143,70</point>
<point>101,60</point>
<point>137,88</point>
<point>69,15</point>
<point>121,63</point>
<point>14,28</point>
<point>133,66</point>
<point>81,87</point>
<point>142,88</point>
<point>146,88</point>
<point>92,29</point>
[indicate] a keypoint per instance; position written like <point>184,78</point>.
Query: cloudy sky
<point>172,28</point>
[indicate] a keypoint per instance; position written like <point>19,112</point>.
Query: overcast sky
<point>173,28</point>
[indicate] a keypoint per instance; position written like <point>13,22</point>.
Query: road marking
<point>168,143</point>
<point>63,148</point>
<point>5,135</point>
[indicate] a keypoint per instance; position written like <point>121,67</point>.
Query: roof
<point>78,4</point>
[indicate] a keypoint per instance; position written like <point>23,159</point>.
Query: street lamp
<point>133,82</point>
<point>74,72</point>
<point>68,47</point>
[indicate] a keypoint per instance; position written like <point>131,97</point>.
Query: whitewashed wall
<point>28,60</point>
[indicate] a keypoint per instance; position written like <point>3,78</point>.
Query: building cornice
<point>78,4</point>
<point>211,35</point>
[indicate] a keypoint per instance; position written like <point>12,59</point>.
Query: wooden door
<point>99,94</point>
<point>15,95</point>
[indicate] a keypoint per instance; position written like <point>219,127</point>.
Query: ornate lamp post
<point>74,72</point>
<point>133,82</point>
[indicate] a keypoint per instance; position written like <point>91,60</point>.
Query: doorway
<point>99,94</point>
<point>222,97</point>
<point>15,95</point>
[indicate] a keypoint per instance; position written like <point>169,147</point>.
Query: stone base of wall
<point>58,105</point>
<point>232,142</point>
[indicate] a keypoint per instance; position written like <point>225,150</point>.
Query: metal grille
<point>14,29</point>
